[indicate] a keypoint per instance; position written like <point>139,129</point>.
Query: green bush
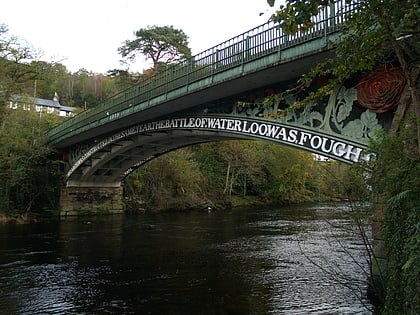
<point>395,180</point>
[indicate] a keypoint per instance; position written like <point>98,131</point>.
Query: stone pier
<point>91,200</point>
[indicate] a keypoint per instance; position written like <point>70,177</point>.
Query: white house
<point>41,105</point>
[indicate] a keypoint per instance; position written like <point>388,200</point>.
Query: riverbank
<point>176,205</point>
<point>18,219</point>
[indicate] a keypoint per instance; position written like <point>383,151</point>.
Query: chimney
<point>56,98</point>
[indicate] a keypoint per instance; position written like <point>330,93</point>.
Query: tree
<point>173,180</point>
<point>376,32</point>
<point>26,172</point>
<point>14,69</point>
<point>50,79</point>
<point>159,43</point>
<point>242,165</point>
<point>288,173</point>
<point>395,182</point>
<point>122,78</point>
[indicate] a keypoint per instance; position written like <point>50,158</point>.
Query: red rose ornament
<point>381,89</point>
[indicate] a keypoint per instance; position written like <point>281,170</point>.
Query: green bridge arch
<point>337,128</point>
<point>182,131</point>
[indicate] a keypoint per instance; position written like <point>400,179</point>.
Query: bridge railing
<point>258,42</point>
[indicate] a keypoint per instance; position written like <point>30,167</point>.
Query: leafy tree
<point>26,173</point>
<point>84,88</point>
<point>122,78</point>
<point>173,180</point>
<point>288,174</point>
<point>50,79</point>
<point>395,182</point>
<point>232,167</point>
<point>14,69</point>
<point>234,158</point>
<point>159,43</point>
<point>211,164</point>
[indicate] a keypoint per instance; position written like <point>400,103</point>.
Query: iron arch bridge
<point>108,161</point>
<point>216,95</point>
<point>338,128</point>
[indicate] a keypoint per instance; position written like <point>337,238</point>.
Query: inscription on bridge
<point>269,131</point>
<point>272,131</point>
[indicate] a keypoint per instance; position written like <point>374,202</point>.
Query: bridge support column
<point>91,200</point>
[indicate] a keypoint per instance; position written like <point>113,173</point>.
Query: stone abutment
<point>91,200</point>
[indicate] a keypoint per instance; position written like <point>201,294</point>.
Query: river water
<point>285,260</point>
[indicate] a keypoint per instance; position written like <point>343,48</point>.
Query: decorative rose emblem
<point>381,89</point>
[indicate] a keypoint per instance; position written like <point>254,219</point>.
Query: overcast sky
<point>87,33</point>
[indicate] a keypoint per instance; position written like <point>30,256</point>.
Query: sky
<point>87,33</point>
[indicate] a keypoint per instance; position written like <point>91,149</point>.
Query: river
<point>284,260</point>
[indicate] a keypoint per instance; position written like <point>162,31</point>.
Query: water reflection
<point>295,260</point>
